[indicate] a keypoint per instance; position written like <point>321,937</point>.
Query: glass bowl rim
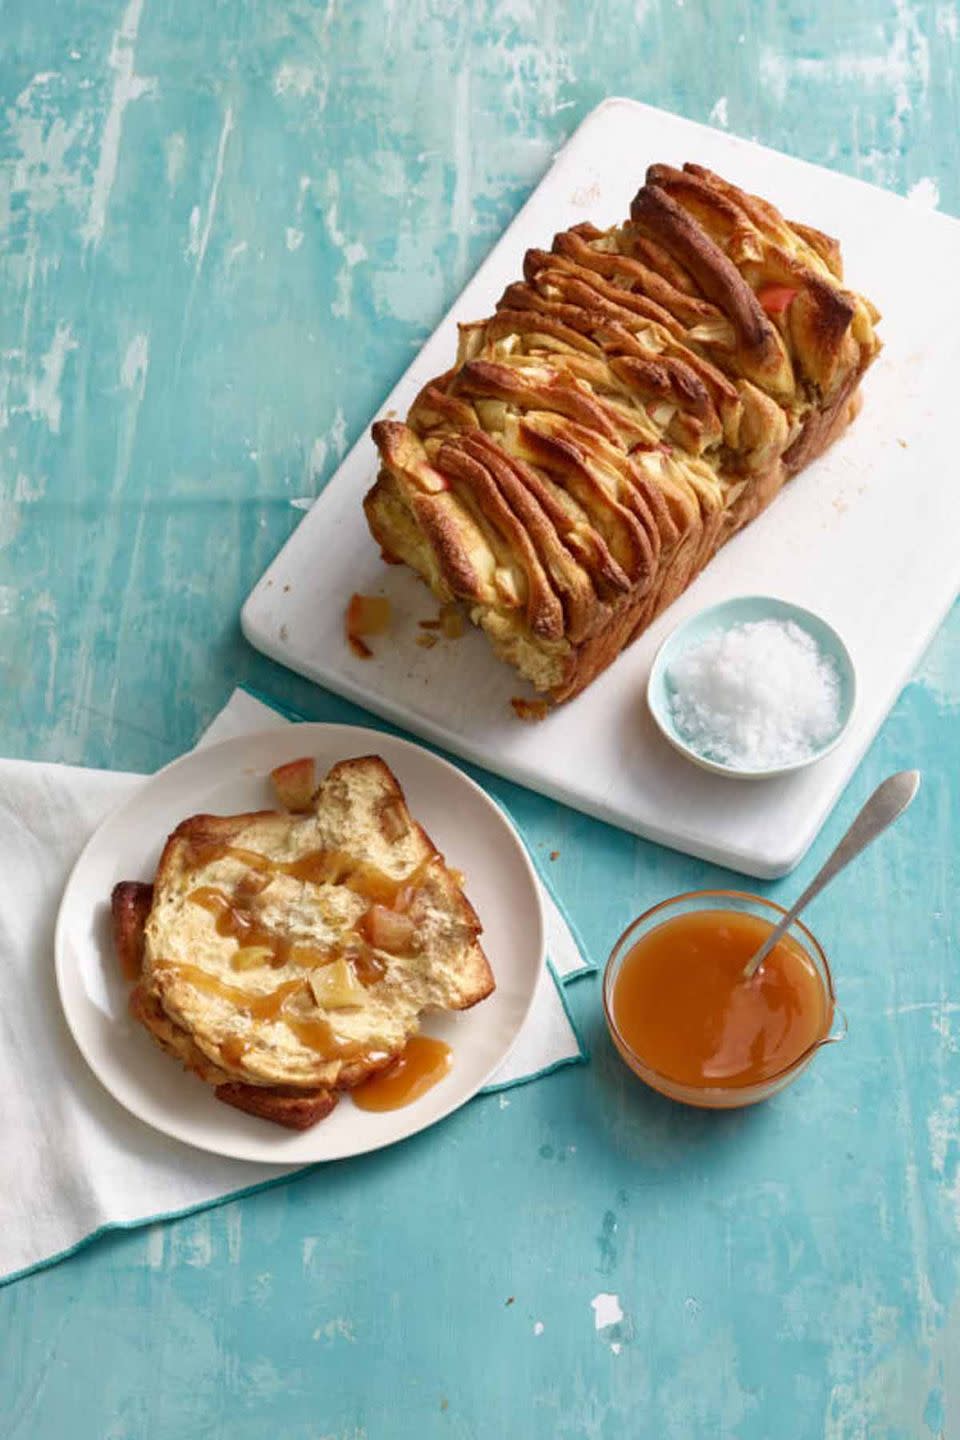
<point>643,1069</point>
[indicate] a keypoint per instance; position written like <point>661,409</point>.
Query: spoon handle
<point>887,802</point>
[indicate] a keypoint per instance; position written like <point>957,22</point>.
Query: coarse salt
<point>758,696</point>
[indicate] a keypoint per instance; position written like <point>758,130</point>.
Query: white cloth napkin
<point>73,1163</point>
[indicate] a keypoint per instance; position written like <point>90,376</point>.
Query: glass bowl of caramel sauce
<point>686,1021</point>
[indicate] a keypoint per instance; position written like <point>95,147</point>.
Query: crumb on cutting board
<point>530,711</point>
<point>452,622</point>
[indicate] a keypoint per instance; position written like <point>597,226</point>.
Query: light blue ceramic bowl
<point>722,617</point>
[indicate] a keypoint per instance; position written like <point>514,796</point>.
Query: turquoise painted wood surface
<point>225,228</point>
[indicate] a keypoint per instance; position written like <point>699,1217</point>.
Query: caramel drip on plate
<point>423,1064</point>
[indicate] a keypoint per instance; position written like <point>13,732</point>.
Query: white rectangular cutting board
<point>869,536</point>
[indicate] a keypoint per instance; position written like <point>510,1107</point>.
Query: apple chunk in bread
<point>295,784</point>
<point>386,930</point>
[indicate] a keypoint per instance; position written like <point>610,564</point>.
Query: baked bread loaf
<point>286,957</point>
<point>639,396</point>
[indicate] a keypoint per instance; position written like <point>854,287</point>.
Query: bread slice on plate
<point>285,956</point>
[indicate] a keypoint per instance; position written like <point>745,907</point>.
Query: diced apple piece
<point>775,299</point>
<point>295,783</point>
<point>662,415</point>
<point>404,899</point>
<point>430,479</point>
<point>394,824</point>
<point>492,414</point>
<point>308,956</point>
<point>386,930</point>
<point>336,987</point>
<point>250,957</point>
<point>505,584</point>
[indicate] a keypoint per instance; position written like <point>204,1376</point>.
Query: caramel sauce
<point>333,867</point>
<point>369,969</point>
<point>683,1007</point>
<point>233,1049</point>
<point>234,920</point>
<point>318,867</point>
<point>259,1007</point>
<point>423,1063</point>
<point>313,1031</point>
<point>318,1034</point>
<point>241,924</point>
<point>251,858</point>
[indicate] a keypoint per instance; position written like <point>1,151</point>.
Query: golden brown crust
<point>293,1109</point>
<point>635,400</point>
<point>658,214</point>
<point>130,905</point>
<point>145,1007</point>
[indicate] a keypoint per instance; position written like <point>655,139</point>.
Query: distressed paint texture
<point>225,228</point>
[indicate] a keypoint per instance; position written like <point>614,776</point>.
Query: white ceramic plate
<point>232,778</point>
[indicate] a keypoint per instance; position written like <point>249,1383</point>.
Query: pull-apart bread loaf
<point>639,396</point>
<point>284,957</point>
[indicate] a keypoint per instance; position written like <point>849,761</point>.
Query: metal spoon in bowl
<point>885,805</point>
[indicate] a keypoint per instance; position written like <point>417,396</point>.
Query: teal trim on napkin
<point>296,1174</point>
<point>161,1219</point>
<point>580,1059</point>
<point>587,966</point>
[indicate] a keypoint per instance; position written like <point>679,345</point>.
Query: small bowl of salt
<point>753,688</point>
